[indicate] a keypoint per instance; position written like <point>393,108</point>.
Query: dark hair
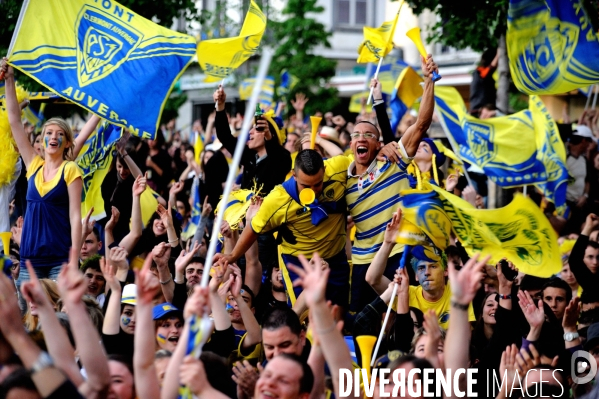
<point>121,160</point>
<point>309,162</point>
<point>124,360</point>
<point>419,315</point>
<point>490,107</point>
<point>417,363</point>
<point>589,317</point>
<point>249,291</point>
<point>561,284</point>
<point>216,367</point>
<point>197,259</point>
<point>589,296</point>
<point>371,124</point>
<point>529,283</point>
<point>488,56</point>
<point>20,378</point>
<point>593,244</point>
<point>306,383</point>
<point>282,317</point>
<point>93,262</point>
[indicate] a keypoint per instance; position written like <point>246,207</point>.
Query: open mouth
<point>362,150</point>
<point>174,339</point>
<point>268,394</point>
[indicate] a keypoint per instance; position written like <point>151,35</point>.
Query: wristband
<point>377,99</point>
<point>167,281</point>
<point>508,296</point>
<point>173,241</point>
<point>459,306</point>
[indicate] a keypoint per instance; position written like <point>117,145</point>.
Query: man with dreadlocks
<point>373,188</point>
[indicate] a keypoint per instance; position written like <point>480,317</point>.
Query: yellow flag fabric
<point>378,42</point>
<point>94,161</point>
<point>513,150</point>
<point>355,103</point>
<point>219,57</point>
<point>267,91</point>
<point>552,46</point>
<point>519,232</point>
<point>148,203</point>
<point>103,57</point>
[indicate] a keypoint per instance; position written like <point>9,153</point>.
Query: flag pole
<point>524,190</point>
<point>402,264</point>
<point>452,143</point>
<point>241,140</point>
<point>376,74</point>
<point>591,90</point>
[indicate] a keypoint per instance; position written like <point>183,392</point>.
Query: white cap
<point>583,131</point>
<point>129,296</point>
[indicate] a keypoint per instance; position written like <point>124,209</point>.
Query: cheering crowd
<point>102,308</point>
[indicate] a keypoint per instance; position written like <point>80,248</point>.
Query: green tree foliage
<point>477,24</point>
<point>296,38</point>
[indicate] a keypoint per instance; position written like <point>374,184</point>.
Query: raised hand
<point>432,329</point>
<point>451,182</point>
<point>206,208</point>
<point>245,376</point>
<point>466,281</point>
<point>225,229</point>
<point>534,314</point>
<point>312,277</point>
<point>147,282</point>
<point>237,281</point>
<point>592,223</point>
<point>219,97</point>
<point>71,282</point>
<point>428,66</point>
<point>17,231</point>
<point>114,218</point>
<point>218,277</point>
<point>32,290</point>
<point>109,273</point>
<point>505,285</point>
<point>185,257</point>
<point>87,226</point>
<point>165,215</point>
<point>118,258</point>
<point>197,304</point>
<point>571,315</point>
<point>469,194</point>
<point>526,362</point>
<point>377,94</point>
<point>140,184</point>
<point>392,228</point>
<point>389,152</point>
<point>300,102</point>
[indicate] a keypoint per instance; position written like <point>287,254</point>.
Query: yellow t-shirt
<point>372,198</point>
<point>441,307</point>
<point>299,235</point>
<point>71,172</point>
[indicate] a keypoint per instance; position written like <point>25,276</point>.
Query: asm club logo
<point>103,44</point>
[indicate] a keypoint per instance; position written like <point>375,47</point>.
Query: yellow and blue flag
<point>288,81</point>
<point>515,150</point>
<point>220,57</point>
<point>267,91</point>
<point>407,90</point>
<point>199,330</point>
<point>551,45</point>
<point>103,57</point>
<point>355,102</point>
<point>389,71</point>
<point>378,42</point>
<point>196,211</point>
<point>94,162</point>
<point>519,232</point>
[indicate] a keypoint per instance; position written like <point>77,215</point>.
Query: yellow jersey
<point>279,211</point>
<point>372,198</point>
<point>441,307</point>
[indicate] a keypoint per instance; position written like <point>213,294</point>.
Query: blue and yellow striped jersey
<point>372,198</point>
<point>294,222</point>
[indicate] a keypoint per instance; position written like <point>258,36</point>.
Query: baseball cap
<point>129,296</point>
<point>583,131</point>
<point>162,310</point>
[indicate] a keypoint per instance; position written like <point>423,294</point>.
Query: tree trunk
<point>502,197</point>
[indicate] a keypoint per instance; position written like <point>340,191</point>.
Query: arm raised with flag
<point>411,139</point>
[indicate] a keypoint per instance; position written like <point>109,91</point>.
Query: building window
<point>352,14</point>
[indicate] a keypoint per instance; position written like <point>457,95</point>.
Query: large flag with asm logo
<point>103,57</point>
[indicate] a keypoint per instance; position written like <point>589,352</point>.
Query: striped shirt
<point>372,198</point>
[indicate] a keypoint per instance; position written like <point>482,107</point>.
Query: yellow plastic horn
<point>315,121</point>
<point>5,236</point>
<point>366,344</point>
<point>414,35</point>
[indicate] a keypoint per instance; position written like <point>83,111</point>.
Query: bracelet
<point>178,282</point>
<point>326,331</point>
<point>377,99</point>
<point>173,241</point>
<point>167,281</point>
<point>508,296</point>
<point>459,306</point>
